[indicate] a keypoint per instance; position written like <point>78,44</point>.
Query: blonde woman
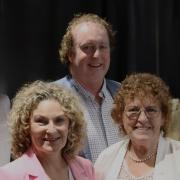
<point>47,131</point>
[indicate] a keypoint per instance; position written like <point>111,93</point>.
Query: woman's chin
<point>142,136</point>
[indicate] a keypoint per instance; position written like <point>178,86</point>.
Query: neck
<point>140,154</point>
<point>55,160</point>
<point>93,86</point>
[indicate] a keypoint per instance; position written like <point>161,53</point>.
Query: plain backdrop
<point>147,38</point>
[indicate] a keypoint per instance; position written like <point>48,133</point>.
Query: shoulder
<point>111,152</point>
<point>80,166</point>
<point>13,169</point>
<point>173,144</point>
<point>4,101</point>
<point>65,82</point>
<point>112,86</point>
<point>80,162</point>
<point>4,97</point>
<point>25,166</point>
<point>62,81</point>
<point>109,161</point>
<point>113,83</point>
<point>167,147</point>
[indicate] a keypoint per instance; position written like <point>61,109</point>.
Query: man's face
<point>90,58</point>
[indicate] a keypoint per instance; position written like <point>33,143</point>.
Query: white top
<point>167,165</point>
<point>125,174</point>
<point>4,133</point>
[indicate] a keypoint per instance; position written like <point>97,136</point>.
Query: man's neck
<point>94,87</point>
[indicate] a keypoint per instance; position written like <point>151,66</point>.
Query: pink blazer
<point>28,167</point>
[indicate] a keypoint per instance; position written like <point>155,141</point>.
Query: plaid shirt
<point>101,131</point>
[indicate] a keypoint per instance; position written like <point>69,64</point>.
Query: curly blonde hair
<point>142,85</point>
<point>27,100</point>
<point>67,40</point>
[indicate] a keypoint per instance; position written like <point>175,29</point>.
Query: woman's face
<point>48,127</point>
<point>142,119</point>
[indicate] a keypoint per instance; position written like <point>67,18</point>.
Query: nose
<point>50,128</point>
<point>96,52</point>
<point>142,116</point>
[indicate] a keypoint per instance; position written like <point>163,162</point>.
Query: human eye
<point>151,109</point>
<point>87,48</point>
<point>132,112</point>
<point>59,120</point>
<point>40,121</point>
<point>103,46</point>
<point>133,109</point>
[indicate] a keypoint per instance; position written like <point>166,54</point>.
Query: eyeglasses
<point>133,112</point>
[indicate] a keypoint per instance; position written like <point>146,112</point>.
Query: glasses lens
<point>134,112</point>
<point>151,112</point>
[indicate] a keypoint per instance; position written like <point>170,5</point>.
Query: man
<point>85,48</point>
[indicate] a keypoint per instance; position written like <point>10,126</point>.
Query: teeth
<point>95,65</point>
<point>143,127</point>
<point>52,139</point>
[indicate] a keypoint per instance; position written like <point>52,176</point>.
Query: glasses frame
<point>151,112</point>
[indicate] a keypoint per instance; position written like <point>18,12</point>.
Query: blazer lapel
<point>77,169</point>
<point>34,168</point>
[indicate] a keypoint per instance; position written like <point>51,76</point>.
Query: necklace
<point>149,156</point>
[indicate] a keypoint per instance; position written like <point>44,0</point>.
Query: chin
<point>51,149</point>
<point>142,137</point>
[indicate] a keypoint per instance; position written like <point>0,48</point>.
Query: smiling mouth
<point>51,139</point>
<point>95,65</point>
<point>143,128</point>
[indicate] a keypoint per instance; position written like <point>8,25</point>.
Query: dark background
<point>147,39</point>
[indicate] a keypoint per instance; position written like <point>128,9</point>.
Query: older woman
<point>141,108</point>
<point>47,131</point>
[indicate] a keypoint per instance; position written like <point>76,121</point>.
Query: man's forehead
<point>84,26</point>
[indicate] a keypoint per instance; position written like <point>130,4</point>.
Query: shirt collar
<point>86,93</point>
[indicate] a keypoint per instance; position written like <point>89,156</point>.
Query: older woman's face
<point>142,119</point>
<point>48,127</point>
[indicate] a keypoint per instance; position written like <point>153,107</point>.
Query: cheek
<point>128,125</point>
<point>35,136</point>
<point>106,61</point>
<point>107,56</point>
<point>80,59</point>
<point>36,132</point>
<point>65,128</point>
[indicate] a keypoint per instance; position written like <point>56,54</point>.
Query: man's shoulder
<point>61,81</point>
<point>65,81</point>
<point>113,86</point>
<point>113,82</point>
